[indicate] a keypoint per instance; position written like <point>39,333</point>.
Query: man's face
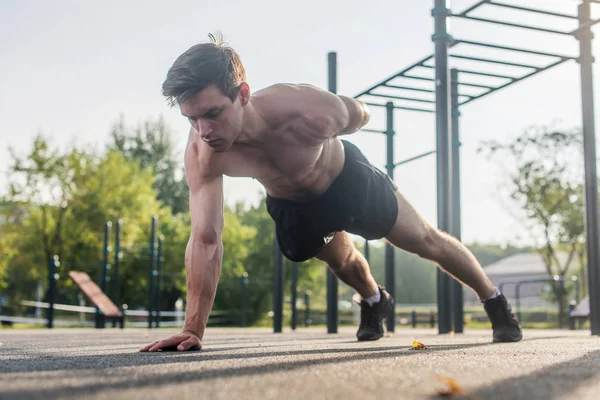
<point>215,117</point>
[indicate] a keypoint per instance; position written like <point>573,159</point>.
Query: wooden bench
<point>107,308</point>
<point>579,312</point>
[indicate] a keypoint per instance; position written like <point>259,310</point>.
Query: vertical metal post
<point>367,252</point>
<point>442,39</point>
<point>278,278</point>
<point>100,318</point>
<point>456,287</point>
<point>244,299</point>
<point>390,279</point>
<point>332,282</point>
<point>159,262</point>
<point>53,264</point>
<point>589,153</point>
<point>294,294</point>
<point>151,271</point>
<point>307,320</point>
<point>115,281</point>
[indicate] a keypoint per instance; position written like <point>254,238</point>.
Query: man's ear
<point>244,93</point>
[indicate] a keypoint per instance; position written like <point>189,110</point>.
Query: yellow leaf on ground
<point>418,346</point>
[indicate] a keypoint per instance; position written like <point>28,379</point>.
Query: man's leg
<point>349,265</point>
<point>413,234</point>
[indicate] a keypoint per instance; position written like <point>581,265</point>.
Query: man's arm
<point>204,252</point>
<point>325,114</point>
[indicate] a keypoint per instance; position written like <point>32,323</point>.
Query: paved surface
<point>307,364</point>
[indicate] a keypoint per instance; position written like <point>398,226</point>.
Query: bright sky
<point>70,68</point>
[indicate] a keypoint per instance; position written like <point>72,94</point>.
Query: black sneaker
<point>504,323</point>
<point>371,317</point>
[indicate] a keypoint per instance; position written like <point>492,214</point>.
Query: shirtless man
<point>319,189</point>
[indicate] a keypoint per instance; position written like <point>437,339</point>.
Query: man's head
<point>208,82</point>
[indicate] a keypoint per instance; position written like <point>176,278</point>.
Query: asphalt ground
<point>305,364</point>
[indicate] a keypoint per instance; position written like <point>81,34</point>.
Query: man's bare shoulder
<point>200,163</point>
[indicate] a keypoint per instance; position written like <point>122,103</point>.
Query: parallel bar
<point>489,60</point>
<point>388,96</point>
<point>442,39</point>
<point>420,78</point>
<point>405,70</point>
<point>474,6</point>
<point>399,108</point>
<point>455,222</point>
<point>533,10</point>
<point>591,175</point>
<point>415,158</point>
<point>390,276</point>
<point>411,88</point>
<point>516,49</point>
<point>332,281</point>
<point>512,24</point>
<point>515,81</point>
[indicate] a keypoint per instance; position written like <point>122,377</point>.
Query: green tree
<point>151,144</point>
<point>543,170</point>
<point>66,197</point>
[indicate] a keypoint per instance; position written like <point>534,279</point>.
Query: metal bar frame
<point>389,96</point>
<point>489,60</point>
<point>399,107</point>
<point>533,10</point>
<point>514,81</point>
<point>511,24</point>
<point>509,48</point>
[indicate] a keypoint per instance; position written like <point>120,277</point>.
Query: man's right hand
<point>182,342</point>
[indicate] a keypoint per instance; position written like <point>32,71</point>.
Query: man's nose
<point>204,129</point>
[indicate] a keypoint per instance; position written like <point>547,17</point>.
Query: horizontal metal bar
<point>410,88</point>
<point>387,96</point>
<point>476,85</point>
<point>489,60</point>
<point>468,71</point>
<point>371,130</point>
<point>401,108</point>
<point>534,10</point>
<point>517,49</point>
<point>511,24</point>
<point>421,78</point>
<point>515,81</point>
<point>405,70</point>
<point>474,6</point>
<point>584,26</point>
<point>415,158</point>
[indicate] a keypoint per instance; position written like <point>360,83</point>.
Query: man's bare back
<point>294,155</point>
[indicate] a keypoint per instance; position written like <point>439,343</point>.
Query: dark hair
<point>203,65</point>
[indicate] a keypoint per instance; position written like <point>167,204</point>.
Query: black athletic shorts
<point>361,200</point>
